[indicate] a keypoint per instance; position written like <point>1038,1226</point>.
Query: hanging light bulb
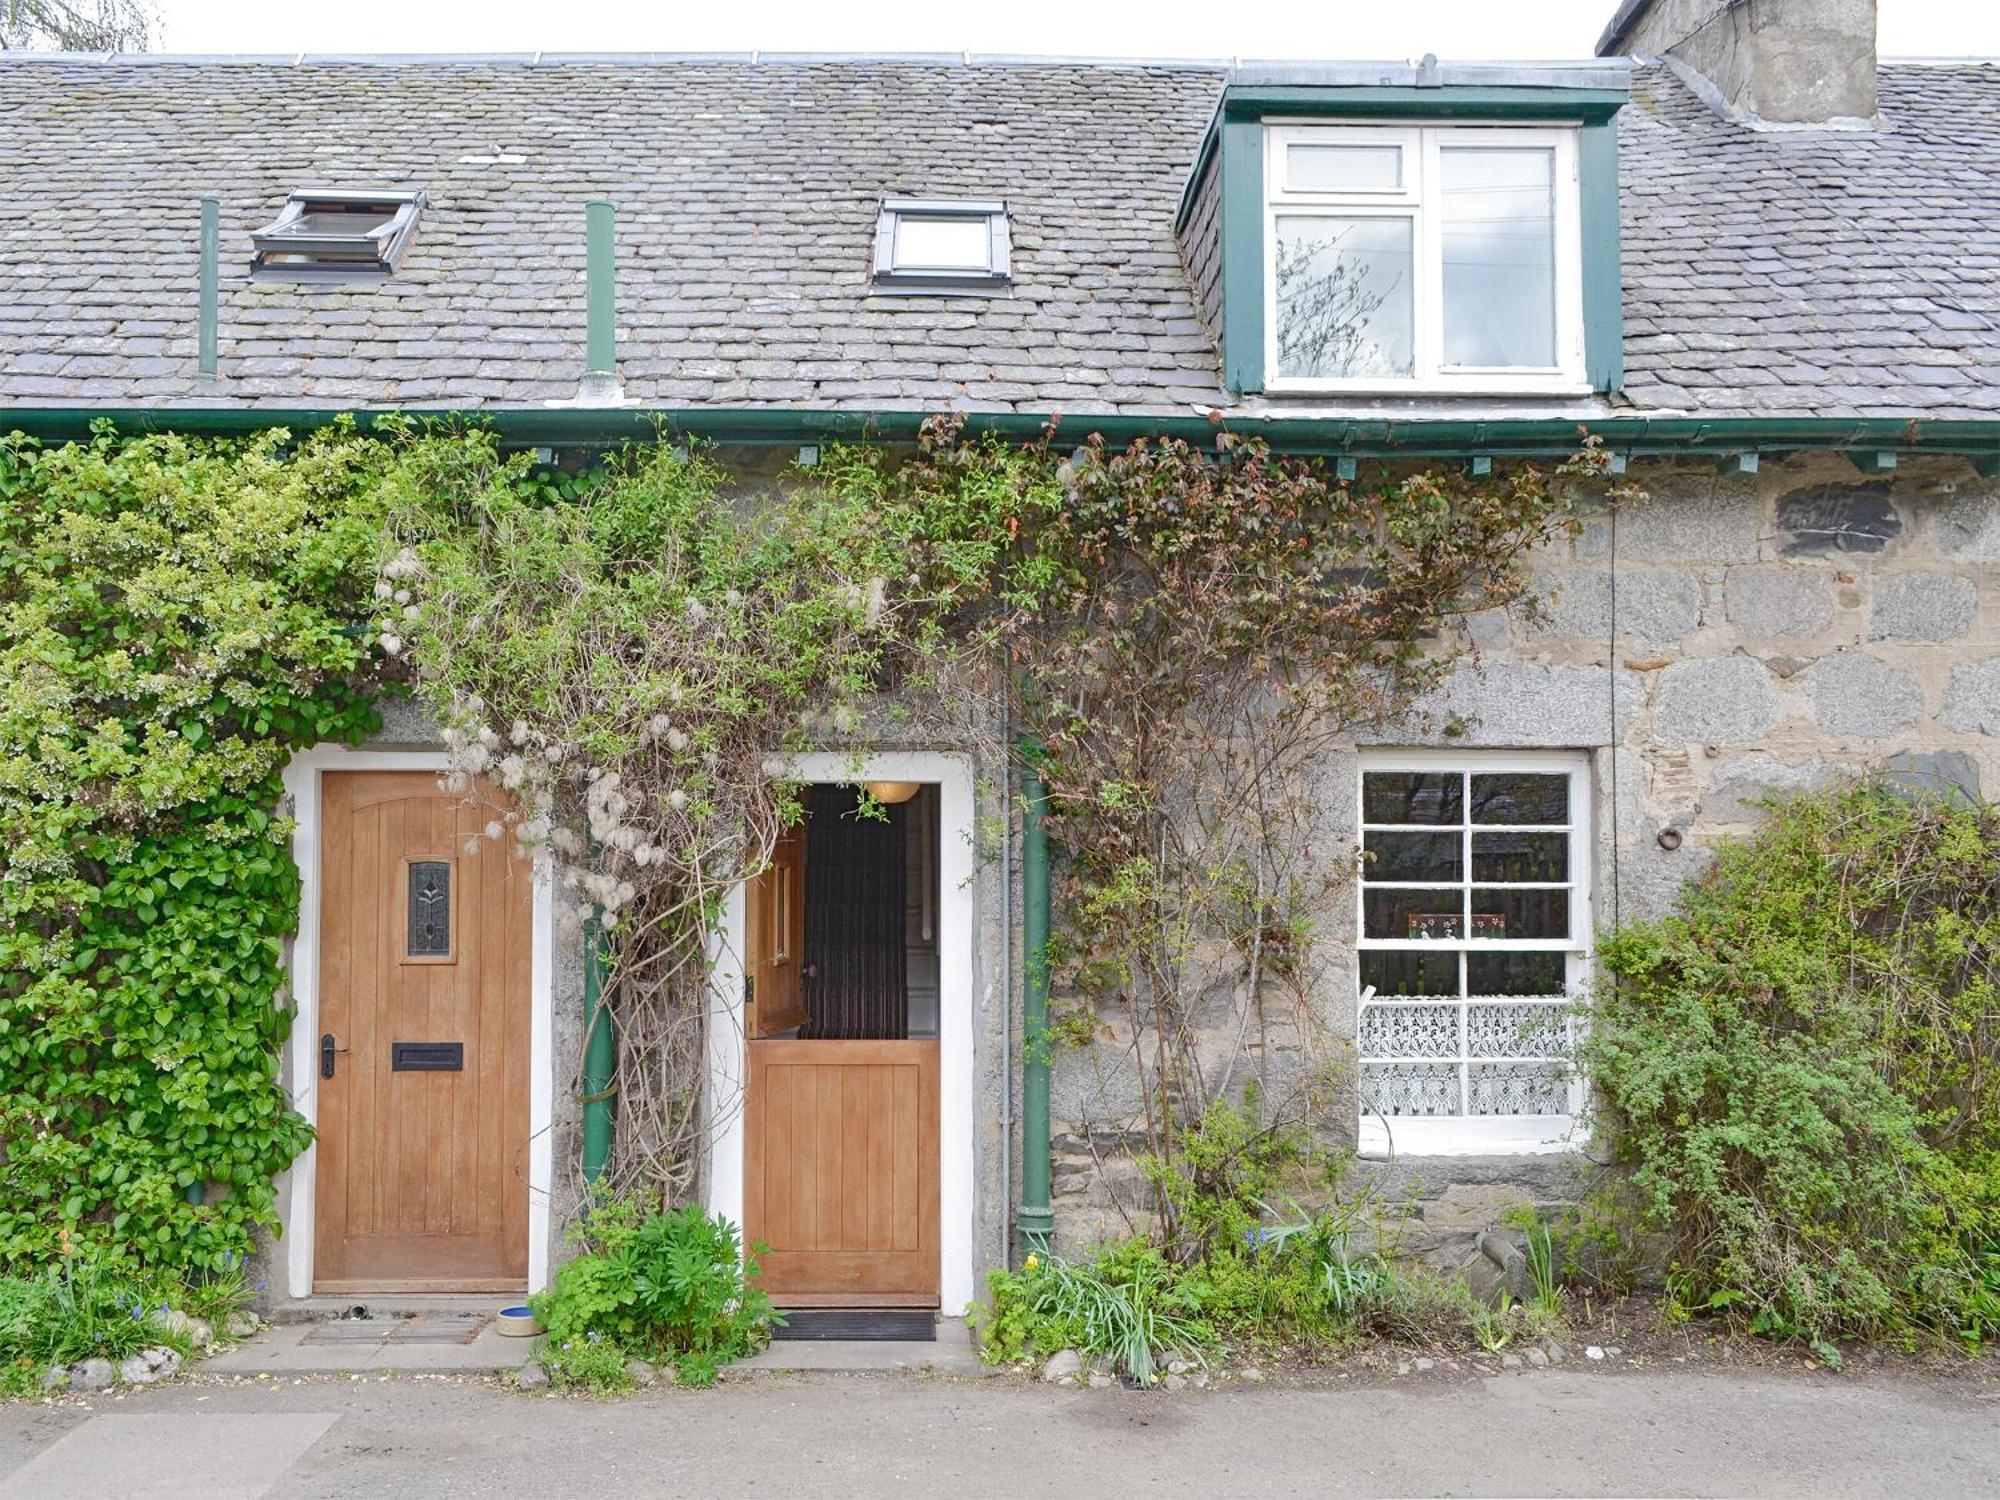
<point>889,793</point>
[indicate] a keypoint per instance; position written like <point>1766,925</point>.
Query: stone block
<point>1685,518</point>
<point>1968,527</point>
<point>1972,697</point>
<point>1766,603</point>
<point>1950,774</point>
<point>1534,704</point>
<point>1656,605</point>
<point>1743,783</point>
<point>1855,694</point>
<point>1715,700</point>
<point>1829,518</point>
<point>1922,607</point>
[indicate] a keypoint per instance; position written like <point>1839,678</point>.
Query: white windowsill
<point>1469,1135</point>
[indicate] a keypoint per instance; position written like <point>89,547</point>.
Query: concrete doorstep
<point>468,1343</point>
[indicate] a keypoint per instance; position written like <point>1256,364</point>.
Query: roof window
<point>336,236</point>
<point>941,246</point>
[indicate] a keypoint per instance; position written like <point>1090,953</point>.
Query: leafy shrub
<point>1217,1189</point>
<point>588,1362</point>
<point>176,617</point>
<point>1129,1304</point>
<point>667,1287</point>
<point>1799,1068</point>
<point>86,1306</point>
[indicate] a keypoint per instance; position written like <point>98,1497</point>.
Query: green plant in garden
<point>666,1287</point>
<point>92,1305</point>
<point>176,616</point>
<point>1798,1067</point>
<point>1129,1304</point>
<point>587,1362</point>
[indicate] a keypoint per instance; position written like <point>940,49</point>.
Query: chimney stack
<point>1771,62</point>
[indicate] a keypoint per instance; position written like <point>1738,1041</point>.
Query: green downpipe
<point>600,1057</point>
<point>601,289</point>
<point>211,286</point>
<point>1036,1219</point>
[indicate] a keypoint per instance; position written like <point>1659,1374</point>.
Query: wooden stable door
<point>422,1056</point>
<point>841,1172</point>
<point>840,1164</point>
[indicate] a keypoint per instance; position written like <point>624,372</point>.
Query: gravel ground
<point>1561,1431</point>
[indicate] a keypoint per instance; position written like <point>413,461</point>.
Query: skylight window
<point>336,237</point>
<point>938,245</point>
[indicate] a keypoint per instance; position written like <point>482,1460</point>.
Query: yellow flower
<point>1031,1263</point>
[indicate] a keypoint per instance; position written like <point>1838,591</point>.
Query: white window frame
<point>1423,146</point>
<point>891,275</point>
<point>1482,1135</point>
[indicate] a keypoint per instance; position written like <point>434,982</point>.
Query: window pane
<point>1519,914</point>
<point>1499,256</point>
<point>1344,299</point>
<point>1520,856</point>
<point>1413,972</point>
<point>953,242</point>
<point>1409,1089</point>
<point>1412,914</point>
<point>1415,856</point>
<point>1520,798</point>
<point>1409,1031</point>
<point>1519,1089</point>
<point>1412,797</point>
<point>1355,168</point>
<point>1514,974</point>
<point>430,909</point>
<point>1530,1030</point>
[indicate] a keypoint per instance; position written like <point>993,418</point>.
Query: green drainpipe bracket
<point>600,1059</point>
<point>1036,1218</point>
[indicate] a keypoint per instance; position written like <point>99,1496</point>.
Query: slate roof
<point>1815,272</point>
<point>1780,273</point>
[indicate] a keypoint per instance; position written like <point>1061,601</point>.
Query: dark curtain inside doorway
<point>856,987</point>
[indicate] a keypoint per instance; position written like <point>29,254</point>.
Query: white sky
<point>1295,29</point>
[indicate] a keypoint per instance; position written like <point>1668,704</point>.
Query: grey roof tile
<point>1776,273</point>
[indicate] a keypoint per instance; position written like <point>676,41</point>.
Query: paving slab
<point>170,1456</point>
<point>376,1345</point>
<point>953,1353</point>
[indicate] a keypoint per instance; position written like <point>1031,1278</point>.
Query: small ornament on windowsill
<point>1433,926</point>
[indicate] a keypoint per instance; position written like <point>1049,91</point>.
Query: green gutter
<point>1036,1218</point>
<point>600,1060</point>
<point>1366,437</point>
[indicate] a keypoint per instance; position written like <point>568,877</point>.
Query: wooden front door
<point>422,1055</point>
<point>840,1162</point>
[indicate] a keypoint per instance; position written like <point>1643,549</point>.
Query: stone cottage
<point>1754,261</point>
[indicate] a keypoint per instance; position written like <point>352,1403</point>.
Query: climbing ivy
<point>176,617</point>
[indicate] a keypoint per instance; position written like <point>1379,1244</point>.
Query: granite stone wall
<point>1728,638</point>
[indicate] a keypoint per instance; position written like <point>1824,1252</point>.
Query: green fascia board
<point>1242,255</point>
<point>1598,205</point>
<point>1365,438</point>
<point>1450,102</point>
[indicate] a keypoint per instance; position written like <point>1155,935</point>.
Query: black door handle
<point>326,1051</point>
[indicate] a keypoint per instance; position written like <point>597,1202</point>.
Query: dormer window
<point>941,245</point>
<point>1434,258</point>
<point>331,236</point>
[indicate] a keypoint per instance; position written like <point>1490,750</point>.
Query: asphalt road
<point>1554,1432</point>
